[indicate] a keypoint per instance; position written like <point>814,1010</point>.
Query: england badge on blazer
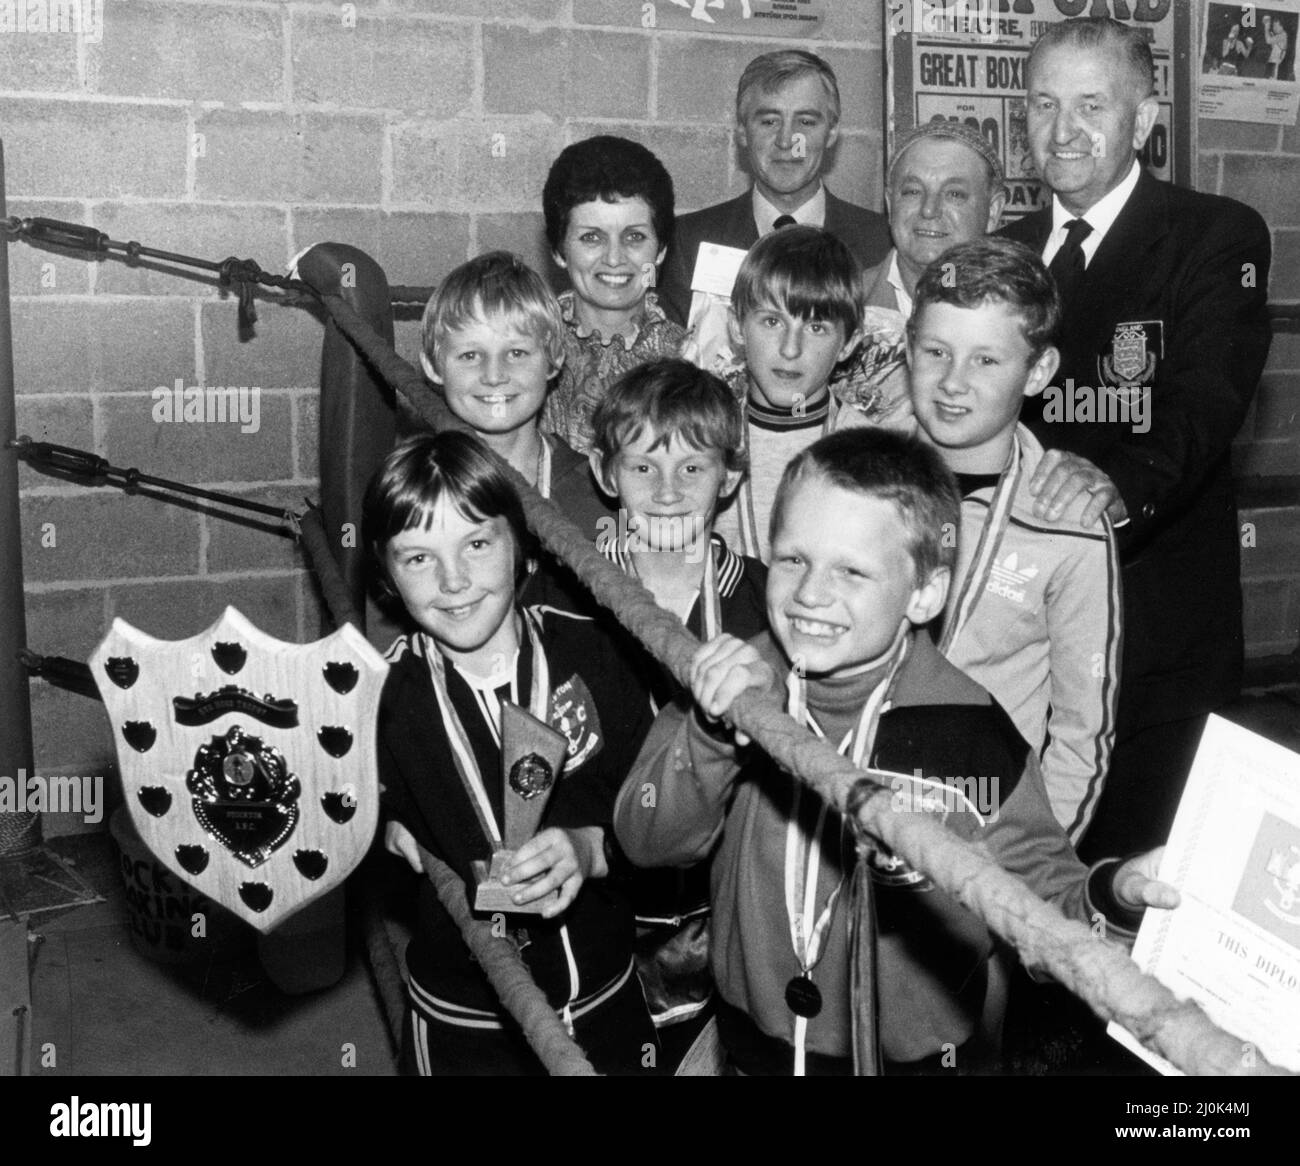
<point>248,763</point>
<point>1135,351</point>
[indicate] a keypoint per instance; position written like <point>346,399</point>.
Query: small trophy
<point>532,754</point>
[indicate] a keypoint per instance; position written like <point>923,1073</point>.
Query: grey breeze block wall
<point>421,131</point>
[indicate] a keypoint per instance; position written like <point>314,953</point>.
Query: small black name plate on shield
<point>532,754</point>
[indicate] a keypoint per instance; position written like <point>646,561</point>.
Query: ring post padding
<point>356,407</point>
<point>19,832</point>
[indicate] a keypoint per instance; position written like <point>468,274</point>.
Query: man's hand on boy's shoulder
<point>1135,884</point>
<point>1061,477</point>
<point>721,670</point>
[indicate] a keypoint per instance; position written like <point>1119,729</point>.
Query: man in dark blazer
<point>787,121</point>
<point>1164,340</point>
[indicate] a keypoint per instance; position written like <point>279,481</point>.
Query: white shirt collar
<point>1100,217</point>
<point>895,278</point>
<point>811,214</point>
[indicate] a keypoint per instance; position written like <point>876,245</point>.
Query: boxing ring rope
<point>1100,973</point>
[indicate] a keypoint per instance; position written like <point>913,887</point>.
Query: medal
<point>803,997</point>
<point>803,851</point>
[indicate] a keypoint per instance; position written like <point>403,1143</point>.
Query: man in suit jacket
<point>1164,340</point>
<point>787,120</point>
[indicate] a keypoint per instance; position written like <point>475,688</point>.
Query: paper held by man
<point>1233,945</point>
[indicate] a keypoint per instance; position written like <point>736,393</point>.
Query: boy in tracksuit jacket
<point>668,447</point>
<point>445,528</point>
<point>859,566</point>
<point>1034,610</point>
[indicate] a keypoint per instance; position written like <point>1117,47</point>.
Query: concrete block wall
<point>1260,165</point>
<point>419,130</point>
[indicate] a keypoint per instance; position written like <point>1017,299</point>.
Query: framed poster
<point>964,60</point>
<point>1248,62</point>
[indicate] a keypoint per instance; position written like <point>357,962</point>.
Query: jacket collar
<point>880,292</point>
<point>731,567</point>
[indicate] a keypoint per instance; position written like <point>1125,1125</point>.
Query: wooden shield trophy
<point>532,754</point>
<point>248,764</point>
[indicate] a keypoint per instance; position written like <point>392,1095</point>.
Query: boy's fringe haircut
<point>894,468</point>
<point>495,283</point>
<point>806,271</point>
<point>674,398</point>
<point>997,271</point>
<point>421,471</point>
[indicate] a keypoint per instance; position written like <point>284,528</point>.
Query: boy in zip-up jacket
<point>859,566</point>
<point>668,445</point>
<point>1034,611</point>
<point>446,530</point>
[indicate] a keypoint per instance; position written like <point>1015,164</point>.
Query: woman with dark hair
<point>608,204</point>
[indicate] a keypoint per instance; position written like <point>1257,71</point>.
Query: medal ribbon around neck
<point>803,853</point>
<point>710,602</point>
<point>544,467</point>
<point>543,485</point>
<point>977,575</point>
<point>461,751</point>
<point>749,544</point>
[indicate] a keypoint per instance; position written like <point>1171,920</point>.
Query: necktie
<point>783,221</point>
<point>1067,264</point>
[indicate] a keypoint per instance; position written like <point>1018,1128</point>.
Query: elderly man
<point>1164,340</point>
<point>787,121</point>
<point>944,187</point>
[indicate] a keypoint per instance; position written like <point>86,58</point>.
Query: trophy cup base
<point>491,895</point>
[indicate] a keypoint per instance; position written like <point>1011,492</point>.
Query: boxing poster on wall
<point>964,60</point>
<point>1248,54</point>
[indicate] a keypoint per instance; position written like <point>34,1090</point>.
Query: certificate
<point>1233,945</point>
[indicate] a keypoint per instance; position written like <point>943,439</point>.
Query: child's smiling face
<point>670,490</point>
<point>456,577</point>
<point>789,359</point>
<point>971,369</point>
<point>842,583</point>
<point>494,374</point>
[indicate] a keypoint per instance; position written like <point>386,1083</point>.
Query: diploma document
<point>1233,945</point>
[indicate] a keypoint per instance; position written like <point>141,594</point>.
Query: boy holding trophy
<point>504,735</point>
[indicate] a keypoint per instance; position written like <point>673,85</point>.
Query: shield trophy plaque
<point>532,754</point>
<point>248,764</point>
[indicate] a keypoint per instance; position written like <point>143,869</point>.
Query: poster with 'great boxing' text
<point>964,60</point>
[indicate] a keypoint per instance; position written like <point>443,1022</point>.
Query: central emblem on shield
<point>243,795</point>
